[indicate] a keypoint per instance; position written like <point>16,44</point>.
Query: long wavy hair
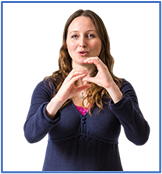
<point>95,94</point>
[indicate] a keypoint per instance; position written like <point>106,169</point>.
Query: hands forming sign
<point>103,77</point>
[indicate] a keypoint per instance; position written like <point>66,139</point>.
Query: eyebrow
<point>78,31</point>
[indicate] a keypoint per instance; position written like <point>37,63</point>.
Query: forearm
<point>135,126</point>
<point>114,92</point>
<point>130,116</point>
<point>53,106</point>
<point>39,124</point>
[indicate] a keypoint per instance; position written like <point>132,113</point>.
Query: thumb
<point>88,79</point>
<point>83,87</point>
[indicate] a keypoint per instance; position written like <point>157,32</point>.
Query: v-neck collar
<point>76,110</point>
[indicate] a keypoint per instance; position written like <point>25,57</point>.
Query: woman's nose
<point>82,42</point>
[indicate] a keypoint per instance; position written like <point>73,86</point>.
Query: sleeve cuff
<point>119,103</point>
<point>56,118</point>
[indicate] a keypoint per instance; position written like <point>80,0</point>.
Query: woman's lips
<point>82,53</point>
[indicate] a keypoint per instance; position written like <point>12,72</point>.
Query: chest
<point>78,101</point>
<point>100,124</point>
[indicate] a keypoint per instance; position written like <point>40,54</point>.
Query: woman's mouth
<point>82,53</point>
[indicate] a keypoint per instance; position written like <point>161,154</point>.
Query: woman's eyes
<point>91,35</point>
<point>88,36</point>
<point>74,36</point>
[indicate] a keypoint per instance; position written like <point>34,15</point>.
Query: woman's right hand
<point>68,88</point>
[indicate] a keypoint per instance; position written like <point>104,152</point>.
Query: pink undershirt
<point>82,110</point>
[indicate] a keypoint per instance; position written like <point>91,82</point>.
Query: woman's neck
<point>89,67</point>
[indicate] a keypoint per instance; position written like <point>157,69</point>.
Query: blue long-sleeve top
<point>85,142</point>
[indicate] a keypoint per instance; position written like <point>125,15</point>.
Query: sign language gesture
<point>103,77</point>
<point>68,88</point>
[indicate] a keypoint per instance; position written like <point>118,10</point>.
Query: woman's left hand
<point>103,77</point>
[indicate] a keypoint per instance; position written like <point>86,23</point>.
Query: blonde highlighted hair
<point>95,94</point>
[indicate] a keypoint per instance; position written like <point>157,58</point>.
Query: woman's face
<point>82,40</point>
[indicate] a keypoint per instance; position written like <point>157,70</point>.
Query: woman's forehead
<point>81,23</point>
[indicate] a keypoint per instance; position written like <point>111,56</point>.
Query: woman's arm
<point>44,112</point>
<point>38,124</point>
<point>53,106</point>
<point>130,116</point>
<point>114,92</point>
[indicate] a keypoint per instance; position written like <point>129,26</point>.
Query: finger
<point>76,72</point>
<point>83,87</point>
<point>79,71</point>
<point>94,60</point>
<point>89,79</point>
<point>75,78</point>
<point>79,75</point>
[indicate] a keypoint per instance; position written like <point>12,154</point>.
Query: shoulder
<point>128,90</point>
<point>122,83</point>
<point>45,87</point>
<point>54,80</point>
<point>126,85</point>
<point>45,84</point>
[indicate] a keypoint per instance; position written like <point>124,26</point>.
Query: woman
<point>83,105</point>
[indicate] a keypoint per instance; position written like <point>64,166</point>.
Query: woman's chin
<point>81,60</point>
